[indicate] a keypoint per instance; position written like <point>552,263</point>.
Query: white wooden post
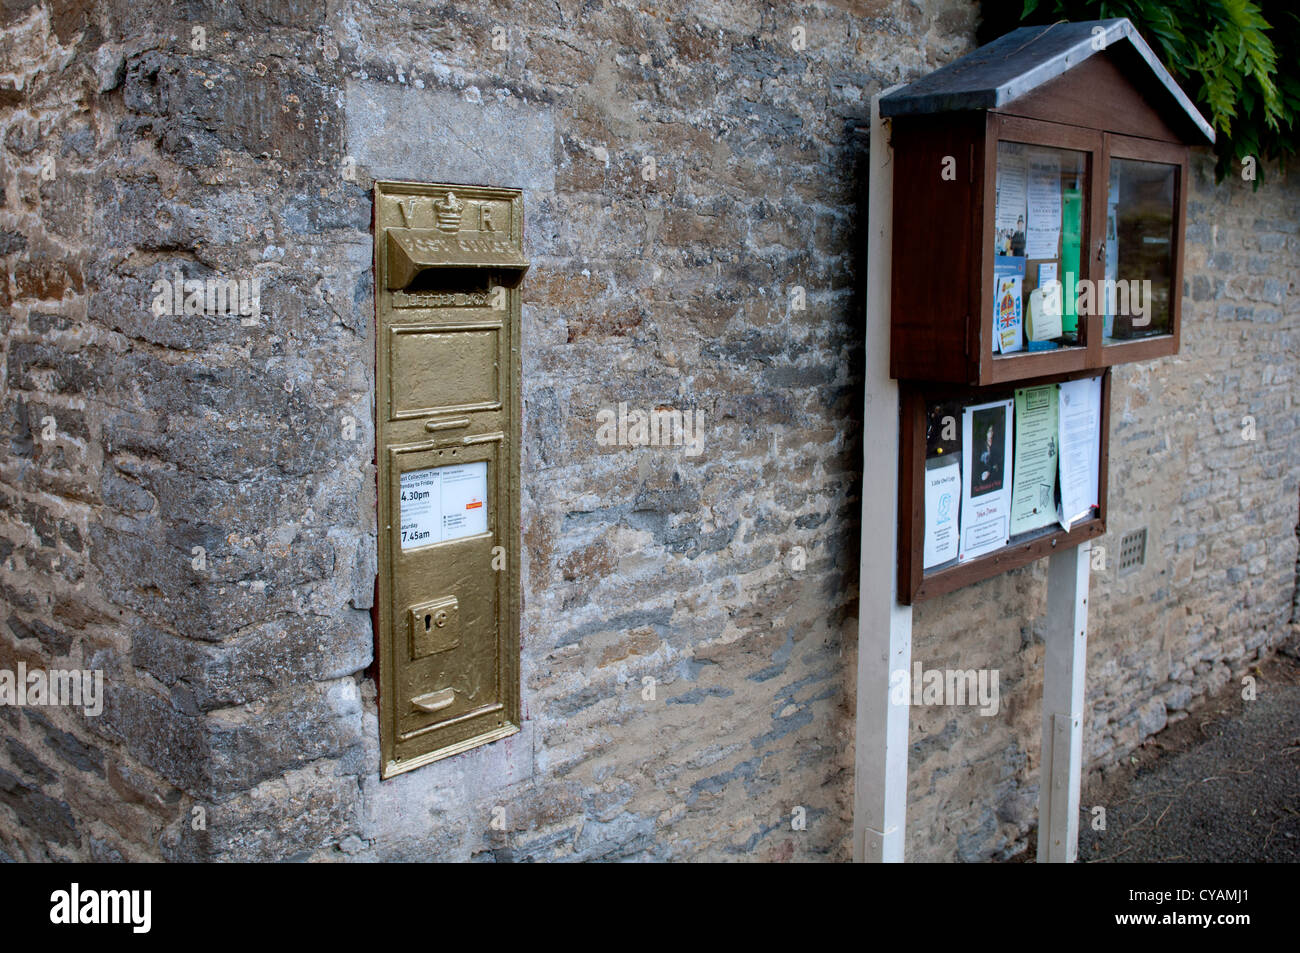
<point>884,626</point>
<point>1064,663</point>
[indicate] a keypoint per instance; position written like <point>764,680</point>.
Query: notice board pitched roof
<point>1024,59</point>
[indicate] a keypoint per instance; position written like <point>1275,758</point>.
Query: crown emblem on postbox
<point>448,212</point>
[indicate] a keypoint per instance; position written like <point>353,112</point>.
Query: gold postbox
<point>448,263</point>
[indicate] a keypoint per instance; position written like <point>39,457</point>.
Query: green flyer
<point>1034,463</point>
<point>1070,240</point>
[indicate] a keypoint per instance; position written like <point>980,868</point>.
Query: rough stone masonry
<point>187,500</point>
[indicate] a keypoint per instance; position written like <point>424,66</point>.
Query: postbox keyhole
<point>427,619</point>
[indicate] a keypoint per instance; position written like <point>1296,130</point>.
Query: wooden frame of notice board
<point>943,265</point>
<point>914,582</point>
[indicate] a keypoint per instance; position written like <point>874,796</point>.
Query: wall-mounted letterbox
<point>448,263</point>
<point>1040,195</point>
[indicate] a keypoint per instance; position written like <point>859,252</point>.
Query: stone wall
<point>188,501</point>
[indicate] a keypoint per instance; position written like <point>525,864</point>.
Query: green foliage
<point>1238,59</point>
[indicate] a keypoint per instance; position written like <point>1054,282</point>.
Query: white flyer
<point>1080,448</point>
<point>986,487</point>
<point>1043,231</point>
<point>1009,206</point>
<point>443,503</point>
<point>1044,322</point>
<point>942,502</point>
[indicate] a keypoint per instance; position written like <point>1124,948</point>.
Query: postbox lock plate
<point>434,626</point>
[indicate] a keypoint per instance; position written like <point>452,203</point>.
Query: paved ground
<point>1221,786</point>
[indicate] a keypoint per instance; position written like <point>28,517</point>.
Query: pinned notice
<point>1043,236</point>
<point>1034,481</point>
<point>1080,445</point>
<point>443,503</point>
<point>1007,317</point>
<point>1044,321</point>
<point>1009,207</point>
<point>942,500</point>
<point>986,490</point>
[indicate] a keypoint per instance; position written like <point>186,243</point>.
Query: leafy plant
<point>1238,59</point>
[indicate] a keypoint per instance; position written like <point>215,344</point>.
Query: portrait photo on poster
<point>986,472</point>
